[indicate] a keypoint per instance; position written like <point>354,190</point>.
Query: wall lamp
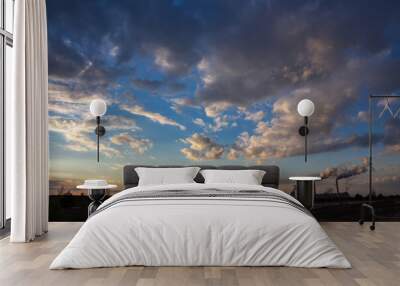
<point>98,108</point>
<point>305,108</point>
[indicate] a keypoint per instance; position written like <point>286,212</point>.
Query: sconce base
<point>303,131</point>
<point>100,130</point>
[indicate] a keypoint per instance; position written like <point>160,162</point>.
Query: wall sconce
<point>305,108</point>
<point>98,107</point>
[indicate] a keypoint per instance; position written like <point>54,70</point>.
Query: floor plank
<point>375,257</point>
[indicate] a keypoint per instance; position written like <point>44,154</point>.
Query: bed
<point>197,224</point>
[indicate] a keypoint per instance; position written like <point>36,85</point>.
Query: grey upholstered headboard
<point>271,177</point>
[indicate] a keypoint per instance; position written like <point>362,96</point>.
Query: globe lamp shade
<point>305,108</point>
<point>98,107</point>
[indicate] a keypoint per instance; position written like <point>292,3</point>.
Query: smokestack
<point>345,172</point>
<point>349,172</point>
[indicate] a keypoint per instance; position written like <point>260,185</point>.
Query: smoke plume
<point>354,170</point>
<point>346,171</point>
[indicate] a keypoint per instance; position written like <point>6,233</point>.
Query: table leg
<point>305,193</point>
<point>96,195</point>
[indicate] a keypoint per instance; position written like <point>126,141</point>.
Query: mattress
<point>201,225</point>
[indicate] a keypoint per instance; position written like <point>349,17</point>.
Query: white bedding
<point>200,231</point>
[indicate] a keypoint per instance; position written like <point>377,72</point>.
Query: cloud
<point>118,122</point>
<point>391,134</point>
<point>147,84</point>
<point>254,116</point>
<point>237,54</point>
<point>220,122</point>
<point>68,100</point>
<point>163,58</point>
<point>362,116</point>
<point>296,46</point>
<point>245,51</point>
<point>76,132</point>
<point>65,60</point>
<point>183,102</point>
<point>233,154</point>
<point>201,148</point>
<point>387,179</point>
<point>279,138</point>
<point>153,116</point>
<point>116,166</point>
<point>76,135</point>
<point>199,122</point>
<point>216,108</point>
<point>138,145</point>
<point>164,32</point>
<point>158,85</point>
<point>66,109</point>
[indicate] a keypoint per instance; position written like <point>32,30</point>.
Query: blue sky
<point>217,82</point>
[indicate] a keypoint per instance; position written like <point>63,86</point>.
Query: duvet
<point>203,225</point>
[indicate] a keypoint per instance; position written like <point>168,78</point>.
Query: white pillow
<point>165,176</point>
<point>248,177</point>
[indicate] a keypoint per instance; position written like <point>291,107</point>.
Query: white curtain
<point>27,148</point>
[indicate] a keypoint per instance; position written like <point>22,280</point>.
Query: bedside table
<point>305,188</point>
<point>96,192</point>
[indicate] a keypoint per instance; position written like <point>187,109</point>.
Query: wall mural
<point>218,82</point>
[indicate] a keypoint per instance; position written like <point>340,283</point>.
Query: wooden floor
<point>375,257</point>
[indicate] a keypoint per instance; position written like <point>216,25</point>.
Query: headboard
<point>270,179</point>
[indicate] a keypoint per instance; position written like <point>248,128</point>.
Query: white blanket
<point>200,231</point>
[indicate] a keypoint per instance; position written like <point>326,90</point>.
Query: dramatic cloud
<point>230,55</point>
<point>64,100</point>
<point>77,132</point>
<point>202,148</point>
<point>279,137</point>
<point>279,46</point>
<point>127,29</point>
<point>153,116</point>
<point>76,135</point>
<point>138,145</point>
<point>245,51</point>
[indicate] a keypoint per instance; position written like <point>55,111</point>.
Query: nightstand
<point>96,192</point>
<point>305,189</point>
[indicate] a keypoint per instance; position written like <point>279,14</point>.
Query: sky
<point>218,82</point>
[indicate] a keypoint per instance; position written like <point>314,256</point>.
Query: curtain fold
<point>28,124</point>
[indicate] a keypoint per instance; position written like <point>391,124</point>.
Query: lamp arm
<point>98,138</point>
<point>305,138</point>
